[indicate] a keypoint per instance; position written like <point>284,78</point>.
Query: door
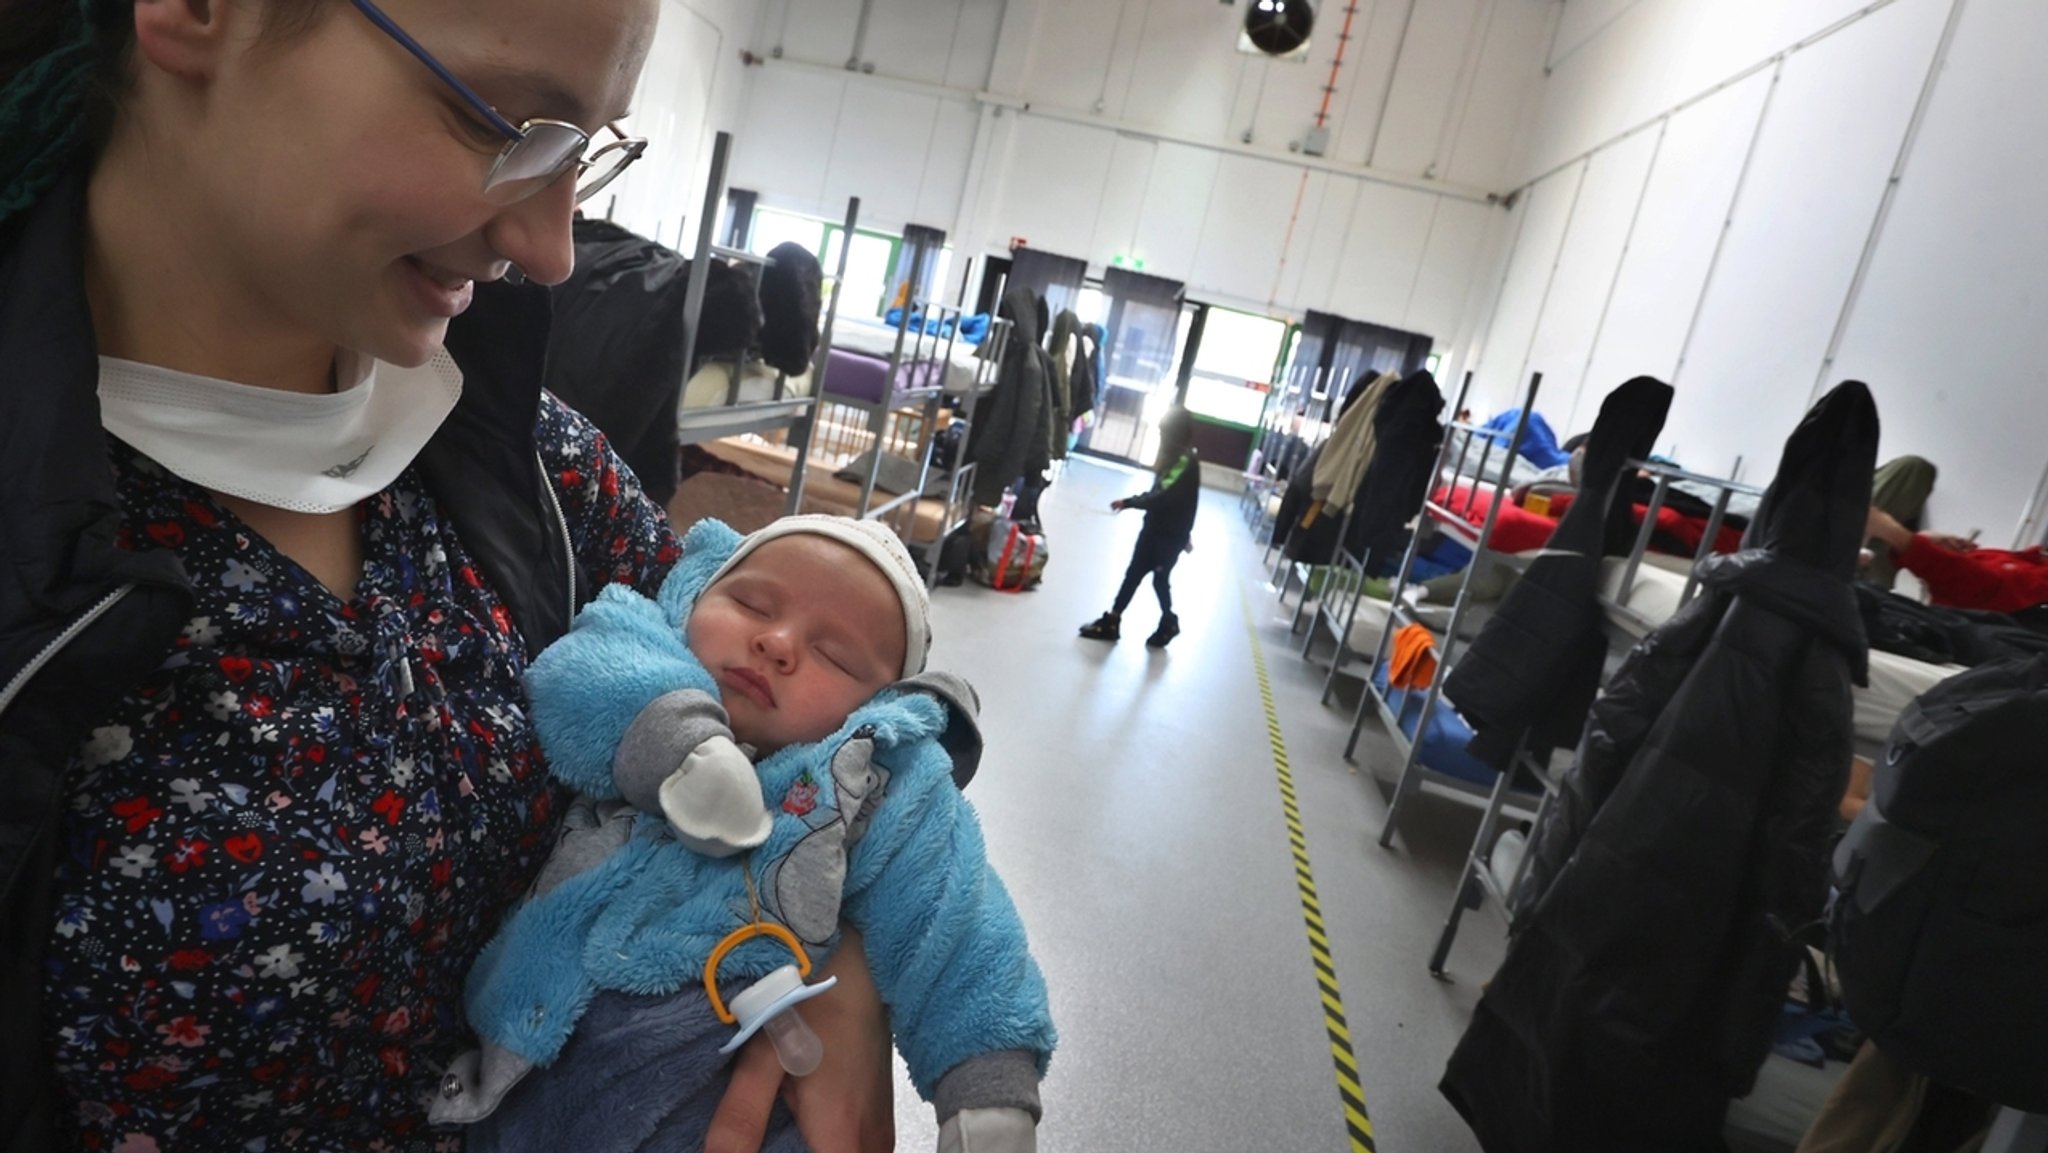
<point>1147,330</point>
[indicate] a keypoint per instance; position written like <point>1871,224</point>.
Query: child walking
<point>1170,508</point>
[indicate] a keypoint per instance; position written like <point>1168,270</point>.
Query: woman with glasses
<point>284,513</point>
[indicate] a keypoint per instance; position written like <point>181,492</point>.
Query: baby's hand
<point>713,801</point>
<point>989,1131</point>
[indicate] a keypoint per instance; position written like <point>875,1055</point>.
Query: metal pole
<point>823,356</point>
<point>700,260</point>
<point>1443,663</point>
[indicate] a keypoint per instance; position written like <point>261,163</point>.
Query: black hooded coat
<point>1688,844</point>
<point>1535,666</point>
<point>1011,435</point>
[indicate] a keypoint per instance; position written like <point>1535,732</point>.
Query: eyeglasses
<point>536,153</point>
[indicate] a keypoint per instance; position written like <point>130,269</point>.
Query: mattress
<point>1443,747</point>
<point>1368,625</point>
<point>872,340</point>
<point>1894,680</point>
<point>713,384</point>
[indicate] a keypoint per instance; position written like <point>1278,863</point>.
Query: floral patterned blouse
<point>285,847</point>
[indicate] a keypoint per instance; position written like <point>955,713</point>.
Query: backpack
<point>1940,931</point>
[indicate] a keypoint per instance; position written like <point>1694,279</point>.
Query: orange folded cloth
<point>1413,664</point>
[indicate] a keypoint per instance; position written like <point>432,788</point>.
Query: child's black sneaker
<point>1103,628</point>
<point>1169,628</point>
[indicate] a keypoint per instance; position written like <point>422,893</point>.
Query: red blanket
<point>1519,530</point>
<point>1982,578</point>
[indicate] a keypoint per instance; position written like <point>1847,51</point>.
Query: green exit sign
<point>1132,262</point>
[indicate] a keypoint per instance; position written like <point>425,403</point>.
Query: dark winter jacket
<point>791,293</point>
<point>82,619</point>
<point>1170,509</point>
<point>1295,497</point>
<point>1011,434</point>
<point>1689,842</point>
<point>1086,381</point>
<point>1407,437</point>
<point>619,336</point>
<point>1945,636</point>
<point>1534,668</point>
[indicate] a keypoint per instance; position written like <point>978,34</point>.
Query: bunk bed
<point>745,407</point>
<point>859,441</point>
<point>1638,592</point>
<point>1295,414</point>
<point>1426,736</point>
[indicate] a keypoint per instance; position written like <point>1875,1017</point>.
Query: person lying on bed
<point>760,754</point>
<point>1961,575</point>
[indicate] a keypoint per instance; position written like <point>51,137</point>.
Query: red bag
<point>1013,558</point>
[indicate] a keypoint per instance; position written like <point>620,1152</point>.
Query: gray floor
<point>1130,802</point>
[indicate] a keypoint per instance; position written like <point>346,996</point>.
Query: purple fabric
<point>864,378</point>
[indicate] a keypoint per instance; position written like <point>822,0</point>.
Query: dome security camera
<point>1279,27</point>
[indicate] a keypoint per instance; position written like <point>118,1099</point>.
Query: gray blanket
<point>641,1075</point>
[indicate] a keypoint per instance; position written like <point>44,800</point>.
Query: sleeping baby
<point>759,756</point>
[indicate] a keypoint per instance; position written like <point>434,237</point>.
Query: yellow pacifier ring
<point>735,939</point>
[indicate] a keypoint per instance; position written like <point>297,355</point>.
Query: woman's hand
<point>847,1105</point>
<point>1882,526</point>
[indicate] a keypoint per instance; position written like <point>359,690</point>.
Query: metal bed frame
<point>797,414</point>
<point>1446,518</point>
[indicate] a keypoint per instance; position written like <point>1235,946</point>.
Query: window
<point>868,263</point>
<point>772,228</point>
<point>1234,366</point>
<point>867,270</point>
<point>1093,306</point>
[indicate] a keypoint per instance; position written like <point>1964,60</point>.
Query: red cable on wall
<point>1343,42</point>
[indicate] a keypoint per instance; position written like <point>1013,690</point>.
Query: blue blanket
<point>973,329</point>
<point>1539,444</point>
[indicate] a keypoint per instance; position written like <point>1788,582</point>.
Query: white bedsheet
<point>877,339</point>
<point>1894,680</point>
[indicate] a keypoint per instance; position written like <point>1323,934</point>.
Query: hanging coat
<point>1059,392</point>
<point>1535,666</point>
<point>1406,440</point>
<point>1086,381</point>
<point>791,293</point>
<point>617,350</point>
<point>1313,540</point>
<point>1295,498</point>
<point>1010,434</point>
<point>1342,469</point>
<point>1653,948</point>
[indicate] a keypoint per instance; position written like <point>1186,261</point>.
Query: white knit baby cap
<point>875,542</point>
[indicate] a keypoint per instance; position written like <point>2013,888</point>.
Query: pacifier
<point>769,1004</point>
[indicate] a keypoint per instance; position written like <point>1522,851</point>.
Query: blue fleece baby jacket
<point>945,944</point>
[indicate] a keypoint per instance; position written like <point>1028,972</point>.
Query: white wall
<point>1106,128</point>
<point>1709,206</point>
<point>692,87</point>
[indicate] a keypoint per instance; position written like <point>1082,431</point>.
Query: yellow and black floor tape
<point>1357,1123</point>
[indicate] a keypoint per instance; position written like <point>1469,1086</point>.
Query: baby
<point>759,755</point>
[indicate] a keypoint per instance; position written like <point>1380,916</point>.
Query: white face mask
<point>283,449</point>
